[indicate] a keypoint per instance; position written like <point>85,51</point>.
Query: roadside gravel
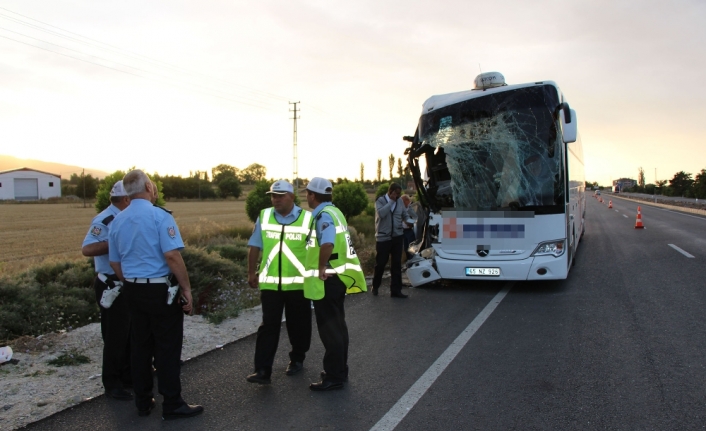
<point>32,389</point>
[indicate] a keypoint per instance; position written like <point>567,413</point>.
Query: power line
<point>126,52</point>
<point>124,65</point>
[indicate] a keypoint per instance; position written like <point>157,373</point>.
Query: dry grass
<point>32,234</point>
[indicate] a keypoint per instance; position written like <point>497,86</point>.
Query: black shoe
<point>375,291</point>
<point>147,411</point>
<point>323,376</point>
<point>326,385</point>
<point>261,376</point>
<point>398,295</point>
<point>185,411</point>
<point>118,394</point>
<point>293,368</point>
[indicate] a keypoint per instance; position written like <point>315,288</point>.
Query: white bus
<point>500,172</point>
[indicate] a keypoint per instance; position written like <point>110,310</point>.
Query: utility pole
<point>295,174</point>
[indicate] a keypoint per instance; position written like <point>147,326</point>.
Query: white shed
<point>25,184</point>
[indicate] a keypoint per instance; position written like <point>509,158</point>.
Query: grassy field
<point>32,234</point>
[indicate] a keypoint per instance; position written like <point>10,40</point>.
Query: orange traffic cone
<point>610,204</point>
<point>638,222</point>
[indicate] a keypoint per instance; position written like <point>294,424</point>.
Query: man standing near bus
<point>389,237</point>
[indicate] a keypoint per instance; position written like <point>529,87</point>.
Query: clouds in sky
<point>208,83</point>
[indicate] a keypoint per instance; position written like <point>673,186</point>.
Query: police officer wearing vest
<point>145,253</point>
<point>115,318</point>
<point>333,269</point>
<point>280,233</point>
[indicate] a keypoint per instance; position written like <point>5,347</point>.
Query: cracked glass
<point>500,151</point>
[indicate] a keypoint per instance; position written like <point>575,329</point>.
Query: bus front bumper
<point>533,268</point>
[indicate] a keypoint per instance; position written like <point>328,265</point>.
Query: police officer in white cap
<point>115,318</point>
<point>145,246</point>
<point>280,233</point>
<point>332,271</point>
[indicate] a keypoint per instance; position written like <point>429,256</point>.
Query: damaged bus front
<point>500,174</point>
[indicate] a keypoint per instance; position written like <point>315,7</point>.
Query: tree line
<point>682,184</point>
<point>224,181</point>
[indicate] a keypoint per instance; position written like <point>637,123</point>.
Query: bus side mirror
<point>569,130</point>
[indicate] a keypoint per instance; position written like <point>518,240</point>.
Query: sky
<point>178,86</point>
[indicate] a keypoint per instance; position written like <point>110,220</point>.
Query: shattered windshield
<point>501,151</point>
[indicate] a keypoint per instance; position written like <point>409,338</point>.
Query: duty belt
<point>155,280</point>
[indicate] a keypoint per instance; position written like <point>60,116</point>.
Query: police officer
<point>115,318</point>
<point>145,253</point>
<point>332,270</point>
<point>280,233</point>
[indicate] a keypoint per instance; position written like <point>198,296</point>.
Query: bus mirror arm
<point>567,111</point>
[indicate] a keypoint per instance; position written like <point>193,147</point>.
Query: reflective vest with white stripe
<point>343,261</point>
<point>283,251</point>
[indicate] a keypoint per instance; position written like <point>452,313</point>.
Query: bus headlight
<point>550,248</point>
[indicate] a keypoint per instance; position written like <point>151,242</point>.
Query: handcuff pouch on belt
<point>110,293</point>
<point>172,290</point>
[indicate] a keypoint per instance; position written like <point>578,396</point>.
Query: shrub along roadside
<point>51,297</point>
<point>60,296</point>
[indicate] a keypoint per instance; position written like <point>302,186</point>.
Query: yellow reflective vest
<point>343,261</point>
<point>283,251</point>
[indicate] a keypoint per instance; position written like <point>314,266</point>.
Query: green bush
<point>60,296</point>
<point>72,357</point>
<point>350,198</point>
<point>364,224</point>
<point>219,286</point>
<point>370,210</point>
<point>230,186</point>
<point>257,200</point>
<point>382,189</point>
<point>48,298</point>
<point>103,194</point>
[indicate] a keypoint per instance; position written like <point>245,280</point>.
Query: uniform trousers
<point>115,331</point>
<point>331,322</point>
<point>383,250</point>
<point>297,311</point>
<point>157,331</point>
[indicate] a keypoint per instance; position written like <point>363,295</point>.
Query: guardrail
<point>651,201</point>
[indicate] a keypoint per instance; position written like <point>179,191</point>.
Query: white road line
<point>625,216</point>
<point>393,417</point>
<point>680,250</point>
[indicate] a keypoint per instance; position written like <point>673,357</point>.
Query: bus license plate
<point>483,271</point>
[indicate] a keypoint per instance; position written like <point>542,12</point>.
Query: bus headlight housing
<point>550,248</point>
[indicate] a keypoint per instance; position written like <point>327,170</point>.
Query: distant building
<point>25,184</point>
<point>623,183</point>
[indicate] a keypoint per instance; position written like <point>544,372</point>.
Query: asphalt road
<point>620,344</point>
